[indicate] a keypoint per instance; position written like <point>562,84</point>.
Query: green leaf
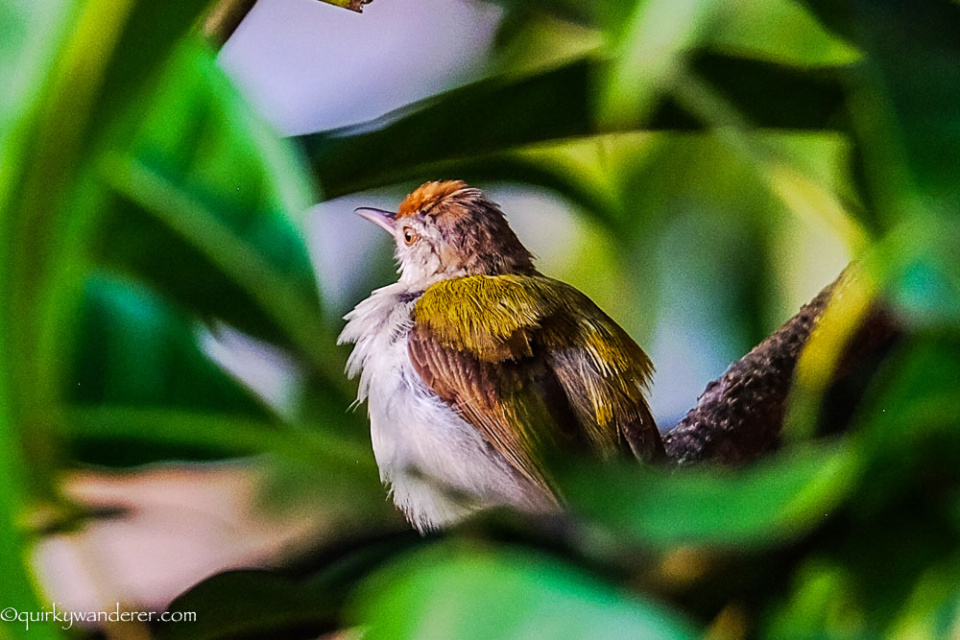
<point>932,610</point>
<point>52,203</point>
<point>272,604</point>
<point>201,223</point>
<point>922,272</point>
<point>137,350</point>
<point>648,57</point>
<point>775,500</point>
<point>29,36</point>
<point>221,435</point>
<point>889,563</point>
<point>144,391</point>
<point>457,591</point>
<point>502,114</point>
<point>907,113</point>
<point>19,588</point>
<point>823,603</point>
<point>112,50</point>
<point>909,419</point>
<point>209,198</point>
<point>922,377</point>
<point>306,468</point>
<point>603,13</point>
<point>239,604</point>
<point>778,30</point>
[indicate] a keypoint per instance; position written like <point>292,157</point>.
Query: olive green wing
<point>534,365</point>
<point>605,376</point>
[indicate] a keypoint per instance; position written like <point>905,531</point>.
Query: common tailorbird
<point>477,369</point>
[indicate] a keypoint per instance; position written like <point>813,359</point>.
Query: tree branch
<point>740,415</point>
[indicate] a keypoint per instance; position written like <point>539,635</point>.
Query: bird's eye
<point>410,236</point>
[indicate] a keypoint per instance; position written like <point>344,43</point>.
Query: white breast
<point>438,466</point>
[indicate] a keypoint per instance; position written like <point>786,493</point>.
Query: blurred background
<point>178,249</point>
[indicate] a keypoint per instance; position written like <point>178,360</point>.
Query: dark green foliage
<point>502,114</point>
<point>201,167</point>
<point>299,602</point>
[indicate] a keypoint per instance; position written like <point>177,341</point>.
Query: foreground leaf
<point>287,603</point>
<point>501,114</point>
<point>906,100</point>
<point>59,62</point>
<point>455,591</point>
<point>209,199</point>
<point>775,500</point>
<point>135,349</point>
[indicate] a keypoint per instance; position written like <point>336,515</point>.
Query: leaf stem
<point>226,15</point>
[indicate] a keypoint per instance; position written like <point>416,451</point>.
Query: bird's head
<point>447,230</point>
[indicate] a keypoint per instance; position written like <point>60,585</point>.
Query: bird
<point>478,370</point>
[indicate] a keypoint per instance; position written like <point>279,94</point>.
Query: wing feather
<point>534,365</point>
<point>504,403</point>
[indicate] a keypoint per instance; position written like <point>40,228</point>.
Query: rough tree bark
<point>739,416</point>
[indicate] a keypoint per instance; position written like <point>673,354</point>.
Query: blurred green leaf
<point>823,604</point>
<point>145,391</point>
<point>862,21</point>
<point>528,40</point>
<point>44,125</point>
<point>777,499</point>
<point>200,222</point>
<point>923,376</point>
<point>778,30</point>
<point>457,591</point>
<point>920,271</point>
<point>648,56</point>
<point>209,435</point>
<point>899,532</point>
<point>601,14</point>
<point>27,42</point>
<point>29,35</point>
<point>306,468</point>
<point>53,201</point>
<point>36,171</point>
<point>910,419</point>
<point>245,604</point>
<point>18,589</point>
<point>208,207</point>
<point>501,114</point>
<point>927,292</point>
<point>137,350</point>
<point>111,52</point>
<point>931,610</point>
<point>281,604</point>
<point>907,113</point>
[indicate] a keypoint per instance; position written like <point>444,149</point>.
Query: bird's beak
<point>386,220</point>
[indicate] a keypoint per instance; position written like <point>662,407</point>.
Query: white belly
<point>438,466</point>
